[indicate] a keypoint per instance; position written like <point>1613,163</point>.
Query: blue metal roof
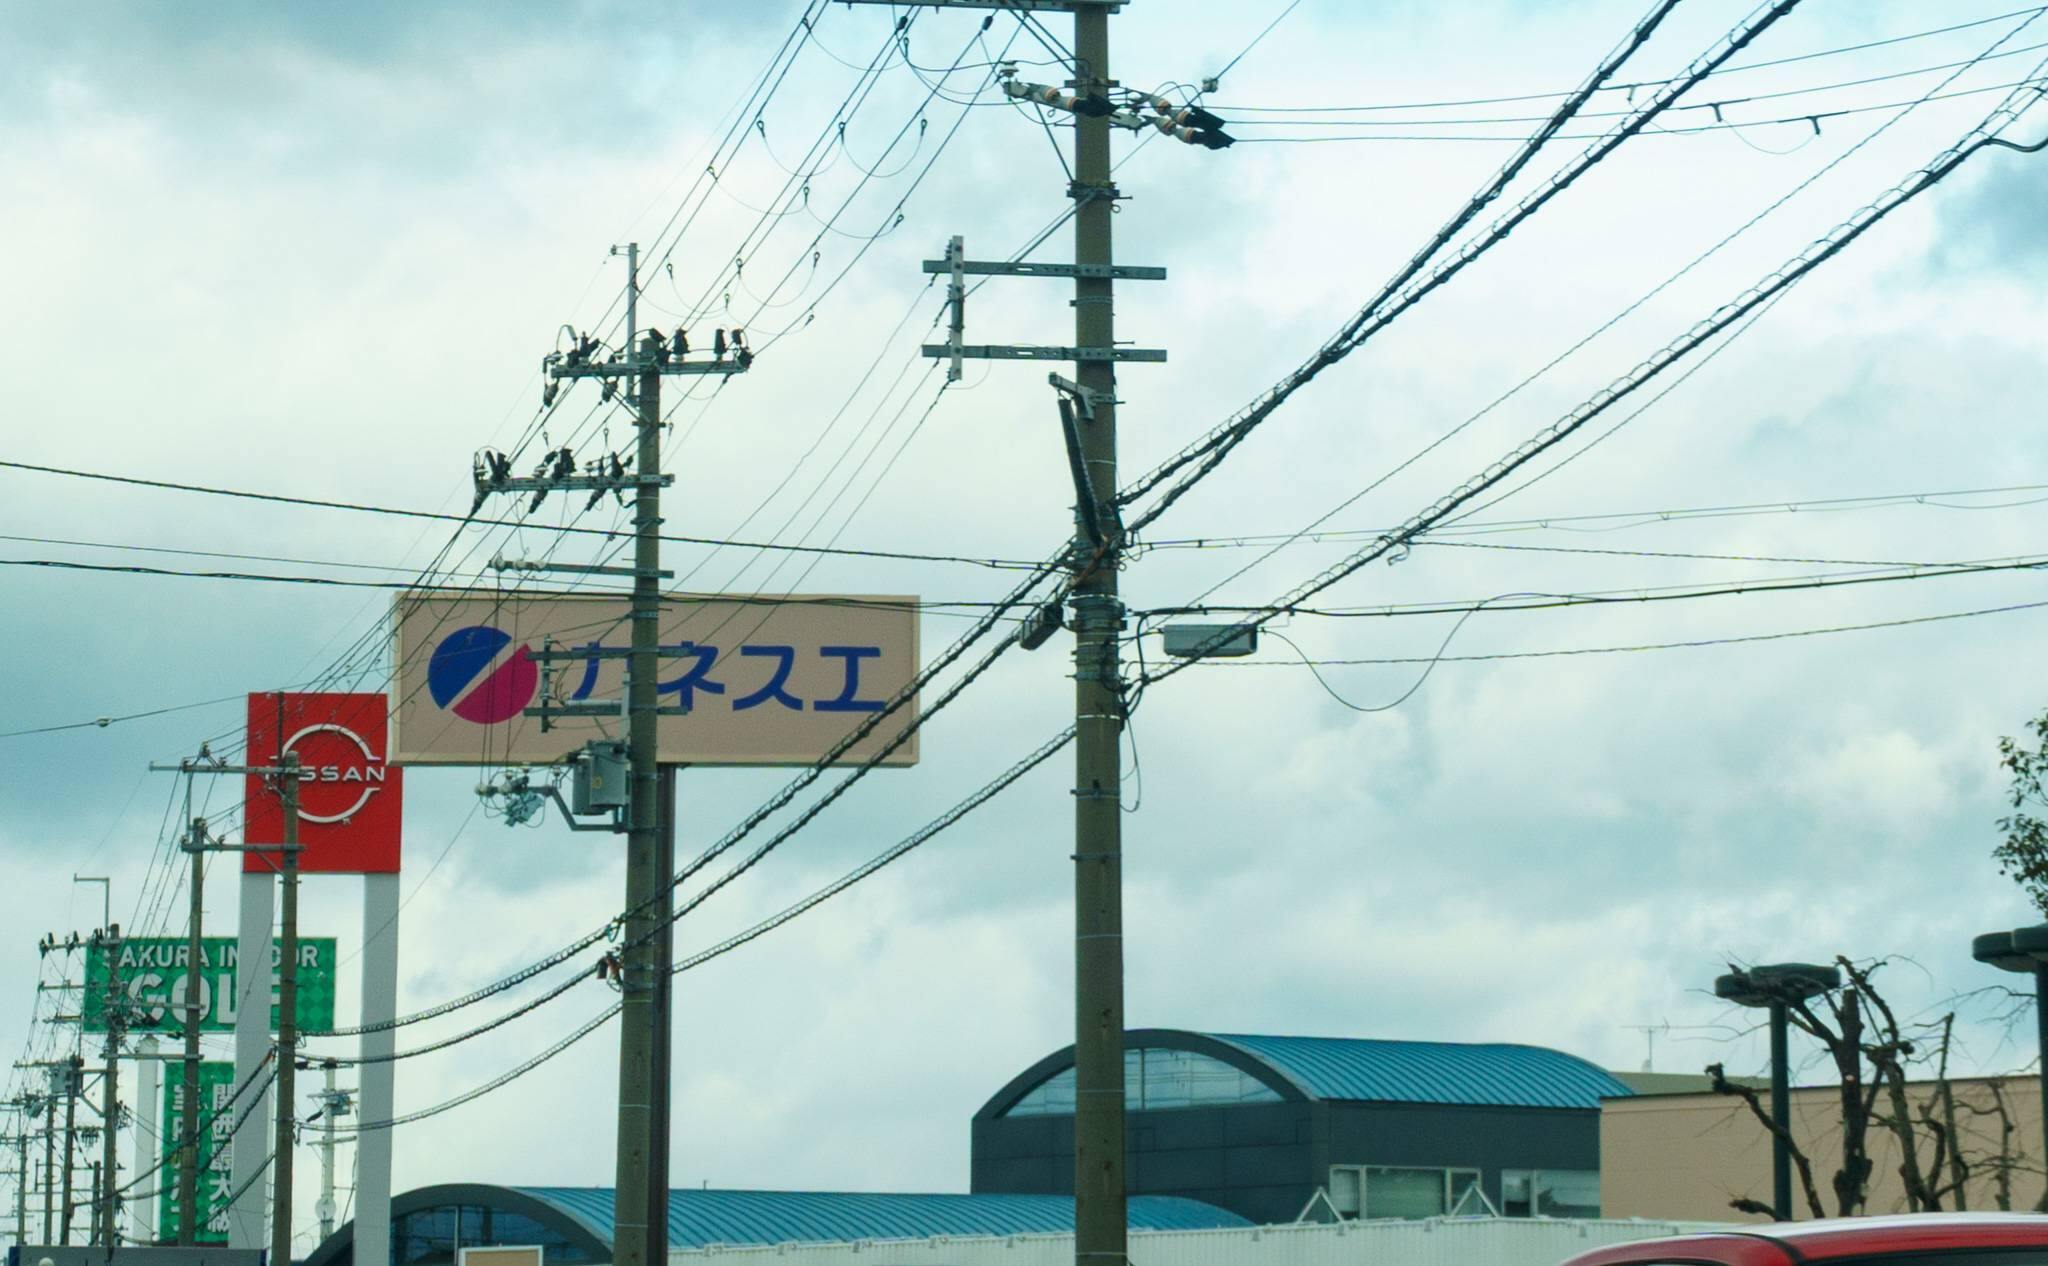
<point>1498,1075</point>
<point>700,1217</point>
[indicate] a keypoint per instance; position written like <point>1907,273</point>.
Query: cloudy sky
<point>319,252</point>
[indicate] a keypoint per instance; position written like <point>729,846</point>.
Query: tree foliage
<point>2023,853</point>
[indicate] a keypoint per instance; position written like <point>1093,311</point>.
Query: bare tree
<point>1876,1059</point>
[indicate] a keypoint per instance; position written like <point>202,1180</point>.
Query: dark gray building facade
<point>1275,1129</point>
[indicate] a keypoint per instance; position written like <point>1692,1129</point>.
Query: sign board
<point>216,1127</point>
<point>776,681</point>
<point>350,800</point>
<point>152,974</point>
<point>500,1255</point>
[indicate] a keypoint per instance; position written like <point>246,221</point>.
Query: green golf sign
<point>216,1126</point>
<point>150,971</point>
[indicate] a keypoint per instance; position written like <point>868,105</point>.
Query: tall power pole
<point>640,1225</point>
<point>108,941</point>
<point>1098,619</point>
<point>1088,417</point>
<point>287,775</point>
<point>251,973</point>
<point>74,1083</point>
<point>188,1073</point>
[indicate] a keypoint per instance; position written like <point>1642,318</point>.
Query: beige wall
<point>1686,1156</point>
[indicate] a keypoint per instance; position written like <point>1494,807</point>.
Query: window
<point>1155,1077</point>
<point>1550,1193</point>
<point>1386,1191</point>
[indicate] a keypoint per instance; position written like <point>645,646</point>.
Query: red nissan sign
<point>349,799</point>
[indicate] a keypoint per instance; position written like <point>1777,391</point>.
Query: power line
<point>1550,601</point>
<point>1643,646</point>
<point>1631,87</point>
<point>1984,135</point>
<point>1206,453</point>
<point>437,516</point>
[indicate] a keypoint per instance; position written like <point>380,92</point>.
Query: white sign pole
<point>148,1141</point>
<point>254,990</point>
<point>374,1081</point>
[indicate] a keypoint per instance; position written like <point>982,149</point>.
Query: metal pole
<point>374,1081</point>
<point>250,1148</point>
<point>1099,1212</point>
<point>325,1209</point>
<point>639,1239</point>
<point>1781,1117</point>
<point>110,1084</point>
<point>188,1074</point>
<point>2041,1036</point>
<point>149,1135</point>
<point>287,1003</point>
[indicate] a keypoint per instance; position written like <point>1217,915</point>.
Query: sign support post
<point>374,1079</point>
<point>148,1136</point>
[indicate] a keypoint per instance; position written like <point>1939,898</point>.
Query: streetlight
<point>2024,950</point>
<point>1776,987</point>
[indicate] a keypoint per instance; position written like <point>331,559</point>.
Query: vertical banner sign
<point>153,976</point>
<point>216,1125</point>
<point>349,798</point>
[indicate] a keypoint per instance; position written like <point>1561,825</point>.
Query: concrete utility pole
<point>1088,404</point>
<point>49,1164</point>
<point>1098,616</point>
<point>333,1105</point>
<point>188,1075</point>
<point>74,1084</point>
<point>108,941</point>
<point>253,955</point>
<point>640,1223</point>
<point>287,777</point>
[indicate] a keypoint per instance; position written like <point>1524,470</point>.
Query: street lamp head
<point>1777,982</point>
<point>2020,950</point>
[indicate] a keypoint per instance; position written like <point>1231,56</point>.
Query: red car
<point>1926,1239</point>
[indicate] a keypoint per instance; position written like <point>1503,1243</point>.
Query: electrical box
<point>601,780</point>
<point>1211,641</point>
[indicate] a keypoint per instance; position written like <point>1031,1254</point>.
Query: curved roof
<point>1489,1074</point>
<point>700,1217</point>
<point>1370,1070</point>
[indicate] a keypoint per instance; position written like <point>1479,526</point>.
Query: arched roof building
<point>1261,1124</point>
<point>574,1224</point>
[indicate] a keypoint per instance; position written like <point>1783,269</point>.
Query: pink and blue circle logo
<point>472,676</point>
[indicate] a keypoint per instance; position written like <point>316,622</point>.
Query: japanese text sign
<point>773,681</point>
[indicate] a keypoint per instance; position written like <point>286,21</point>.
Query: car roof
<point>1768,1243</point>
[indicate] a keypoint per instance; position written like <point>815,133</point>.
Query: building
<point>1278,1129</point>
<point>574,1224</point>
<point>1688,1155</point>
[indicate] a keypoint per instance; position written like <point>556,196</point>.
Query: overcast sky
<point>320,251</point>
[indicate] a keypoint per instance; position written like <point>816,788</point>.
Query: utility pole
<point>1087,406</point>
<point>283,777</point>
<point>640,1223</point>
<point>108,941</point>
<point>195,843</point>
<point>1098,617</point>
<point>74,1082</point>
<point>49,1164</point>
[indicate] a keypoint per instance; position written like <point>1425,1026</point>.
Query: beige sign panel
<point>771,681</point>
